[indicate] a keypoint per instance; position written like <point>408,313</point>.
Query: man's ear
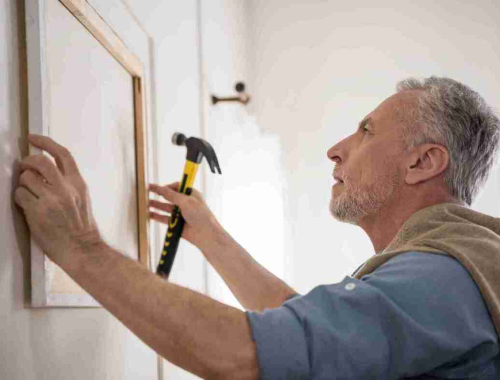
<point>426,162</point>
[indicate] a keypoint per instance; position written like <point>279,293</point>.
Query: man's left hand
<point>55,201</point>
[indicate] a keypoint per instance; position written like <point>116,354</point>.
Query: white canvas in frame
<point>86,92</point>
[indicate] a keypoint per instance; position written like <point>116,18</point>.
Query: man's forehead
<point>389,110</point>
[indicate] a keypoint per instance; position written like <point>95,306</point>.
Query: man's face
<point>369,162</point>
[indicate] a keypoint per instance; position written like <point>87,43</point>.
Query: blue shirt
<point>418,316</point>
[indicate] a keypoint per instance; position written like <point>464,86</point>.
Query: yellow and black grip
<point>176,224</point>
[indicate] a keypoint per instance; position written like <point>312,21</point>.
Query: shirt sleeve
<point>412,315</point>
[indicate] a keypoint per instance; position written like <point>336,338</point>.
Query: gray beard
<point>355,203</point>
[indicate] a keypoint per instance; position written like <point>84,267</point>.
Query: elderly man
<point>426,305</point>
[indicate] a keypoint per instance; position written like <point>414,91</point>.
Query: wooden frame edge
<point>142,195</point>
<point>37,121</point>
<point>88,16</point>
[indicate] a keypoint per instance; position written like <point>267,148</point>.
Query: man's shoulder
<point>437,282</point>
<point>416,282</point>
<point>420,265</point>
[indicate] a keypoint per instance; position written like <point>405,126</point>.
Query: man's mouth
<point>338,181</point>
<point>337,178</point>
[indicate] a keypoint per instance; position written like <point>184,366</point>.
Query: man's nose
<point>339,151</point>
<point>333,155</point>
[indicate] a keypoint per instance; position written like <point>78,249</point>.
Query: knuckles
<point>24,178</point>
<point>18,196</point>
<point>69,194</point>
<point>41,160</point>
<point>65,152</point>
<point>38,161</point>
<point>76,196</point>
<point>83,187</point>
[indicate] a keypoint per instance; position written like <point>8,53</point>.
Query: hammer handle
<point>171,243</point>
<point>176,224</point>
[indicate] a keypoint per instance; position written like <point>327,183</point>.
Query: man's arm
<point>254,286</point>
<point>191,330</point>
<point>199,334</point>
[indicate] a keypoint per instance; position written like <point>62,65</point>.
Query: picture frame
<point>42,268</point>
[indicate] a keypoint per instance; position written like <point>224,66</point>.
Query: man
<point>414,310</point>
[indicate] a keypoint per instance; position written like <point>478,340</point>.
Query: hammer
<point>196,150</point>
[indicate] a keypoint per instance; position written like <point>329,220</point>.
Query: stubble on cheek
<point>347,206</point>
<point>360,199</point>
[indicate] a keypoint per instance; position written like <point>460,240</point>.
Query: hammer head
<point>197,149</point>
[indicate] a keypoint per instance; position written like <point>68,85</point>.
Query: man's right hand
<point>201,223</point>
<point>253,285</point>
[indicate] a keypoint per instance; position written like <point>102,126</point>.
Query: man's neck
<point>384,226</point>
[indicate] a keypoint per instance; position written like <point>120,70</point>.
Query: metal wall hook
<point>243,97</point>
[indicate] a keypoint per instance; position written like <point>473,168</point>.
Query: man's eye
<point>365,129</point>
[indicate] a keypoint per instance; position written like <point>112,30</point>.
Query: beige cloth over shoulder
<point>469,236</point>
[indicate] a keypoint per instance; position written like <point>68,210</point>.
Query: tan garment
<point>469,236</point>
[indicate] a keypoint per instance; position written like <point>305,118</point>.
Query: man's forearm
<point>253,285</point>
<point>192,331</point>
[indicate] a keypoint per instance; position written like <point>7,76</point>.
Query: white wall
<point>321,66</point>
<point>55,344</point>
<point>248,198</point>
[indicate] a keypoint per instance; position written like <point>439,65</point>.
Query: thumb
<point>173,186</point>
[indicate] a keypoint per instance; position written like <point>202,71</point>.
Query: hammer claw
<point>215,164</point>
<point>212,158</point>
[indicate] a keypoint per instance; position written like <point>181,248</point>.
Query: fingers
<point>160,218</point>
<point>169,192</point>
<point>33,182</point>
<point>174,186</point>
<point>167,207</point>
<point>42,165</point>
<point>64,160</point>
<point>24,198</point>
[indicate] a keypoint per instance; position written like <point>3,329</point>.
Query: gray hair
<point>451,114</point>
